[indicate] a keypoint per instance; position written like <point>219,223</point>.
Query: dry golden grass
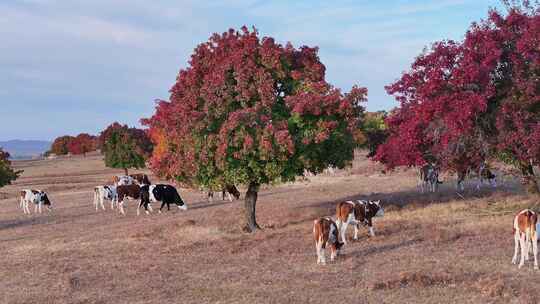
<point>429,248</point>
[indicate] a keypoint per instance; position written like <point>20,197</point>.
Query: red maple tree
<point>464,102</point>
<point>250,111</point>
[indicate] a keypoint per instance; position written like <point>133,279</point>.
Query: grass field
<point>429,248</point>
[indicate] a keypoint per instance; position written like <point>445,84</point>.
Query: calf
<point>229,190</point>
<point>141,178</point>
<point>525,235</point>
<point>119,180</point>
<point>37,197</point>
<point>325,232</point>
<point>127,191</point>
<point>166,194</point>
<point>356,213</point>
<point>101,193</point>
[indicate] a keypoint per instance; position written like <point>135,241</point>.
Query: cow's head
<point>375,208</point>
<point>45,200</point>
<point>235,192</point>
<point>180,203</point>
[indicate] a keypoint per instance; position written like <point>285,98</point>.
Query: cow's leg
<point>523,247</point>
<point>333,253</point>
<point>139,207</point>
<point>371,231</point>
<point>318,250</point>
<point>210,196</point>
<point>39,206</point>
<point>101,203</point>
<point>527,244</point>
<point>343,231</point>
<point>162,205</point>
<point>321,252</point>
<point>355,237</point>
<point>230,197</point>
<point>150,207</point>
<point>516,247</point>
<point>96,199</point>
<point>145,204</point>
<point>27,207</point>
<point>121,207</point>
<point>535,248</point>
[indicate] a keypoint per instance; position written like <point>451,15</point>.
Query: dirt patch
<point>414,279</point>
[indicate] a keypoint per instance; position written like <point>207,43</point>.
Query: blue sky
<point>70,66</point>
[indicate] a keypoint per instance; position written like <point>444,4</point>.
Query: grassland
<point>429,248</point>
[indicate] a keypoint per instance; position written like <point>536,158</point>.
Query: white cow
<point>101,193</point>
<point>37,197</point>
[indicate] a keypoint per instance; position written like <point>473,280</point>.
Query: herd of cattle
<point>124,187</point>
<point>327,231</point>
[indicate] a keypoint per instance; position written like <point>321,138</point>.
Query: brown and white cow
<point>141,178</point>
<point>525,236</point>
<point>356,213</point>
<point>485,174</point>
<point>227,189</point>
<point>127,192</point>
<point>37,197</point>
<point>325,233</point>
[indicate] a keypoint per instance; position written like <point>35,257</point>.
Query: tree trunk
<point>529,179</point>
<point>249,208</point>
<point>126,171</point>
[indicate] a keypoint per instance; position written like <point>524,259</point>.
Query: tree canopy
<point>80,144</point>
<point>464,102</point>
<point>250,111</point>
<point>7,174</point>
<point>125,147</point>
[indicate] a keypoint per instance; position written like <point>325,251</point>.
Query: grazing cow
<point>325,232</point>
<point>37,197</point>
<point>229,190</point>
<point>166,194</point>
<point>525,236</point>
<point>119,180</point>
<point>462,174</point>
<point>485,174</point>
<point>429,177</point>
<point>127,191</point>
<point>141,178</point>
<point>356,213</point>
<point>101,193</point>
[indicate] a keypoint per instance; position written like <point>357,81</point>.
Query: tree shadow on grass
<point>400,199</point>
<point>374,250</point>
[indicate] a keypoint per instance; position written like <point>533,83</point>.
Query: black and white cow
<point>166,194</point>
<point>102,193</point>
<point>429,177</point>
<point>37,197</point>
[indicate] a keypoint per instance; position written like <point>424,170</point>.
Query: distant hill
<point>25,149</point>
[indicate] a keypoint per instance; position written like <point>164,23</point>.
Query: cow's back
<point>132,191</point>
